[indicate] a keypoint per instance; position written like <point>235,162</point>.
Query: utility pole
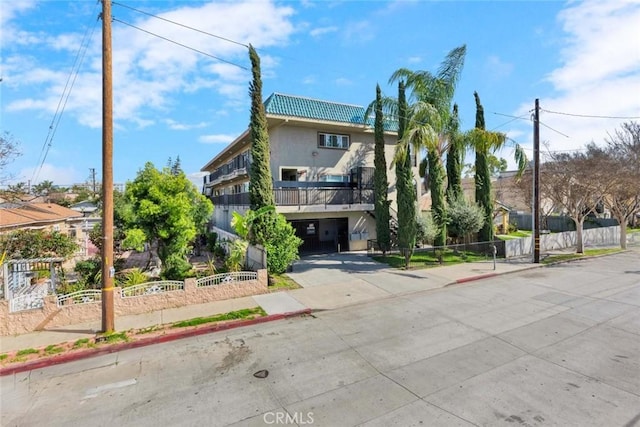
<point>107,172</point>
<point>536,183</point>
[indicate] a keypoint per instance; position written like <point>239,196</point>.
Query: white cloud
<point>148,72</point>
<point>343,81</point>
<point>216,139</point>
<point>173,125</point>
<point>414,59</point>
<point>48,172</point>
<point>496,68</point>
<point>599,74</point>
<point>316,32</point>
<point>309,80</point>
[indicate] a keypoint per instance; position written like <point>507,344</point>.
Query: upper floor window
<point>329,140</point>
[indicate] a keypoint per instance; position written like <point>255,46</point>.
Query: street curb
<point>488,275</point>
<point>187,333</point>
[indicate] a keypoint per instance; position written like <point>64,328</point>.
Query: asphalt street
<point>551,346</point>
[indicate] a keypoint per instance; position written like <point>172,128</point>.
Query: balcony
<point>298,193</point>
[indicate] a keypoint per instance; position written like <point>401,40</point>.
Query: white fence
<point>604,236</point>
<point>86,296</point>
<point>151,288</point>
<point>240,276</point>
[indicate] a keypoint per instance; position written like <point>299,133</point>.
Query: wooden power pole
<point>108,271</point>
<point>536,183</point>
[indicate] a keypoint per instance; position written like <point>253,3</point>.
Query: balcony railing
<point>304,196</point>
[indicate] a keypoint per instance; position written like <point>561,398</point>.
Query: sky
<point>188,97</point>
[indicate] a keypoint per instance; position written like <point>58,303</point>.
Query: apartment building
<point>322,156</point>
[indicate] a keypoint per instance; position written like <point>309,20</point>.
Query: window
<point>334,178</point>
<point>328,140</point>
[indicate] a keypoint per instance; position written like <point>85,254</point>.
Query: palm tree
<point>428,123</point>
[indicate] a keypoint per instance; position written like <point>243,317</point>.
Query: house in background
<point>322,168</point>
<point>48,217</point>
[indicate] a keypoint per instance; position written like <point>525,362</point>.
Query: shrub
<point>211,239</point>
<point>513,227</point>
<point>134,277</point>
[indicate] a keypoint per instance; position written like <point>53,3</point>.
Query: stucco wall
<point>52,316</point>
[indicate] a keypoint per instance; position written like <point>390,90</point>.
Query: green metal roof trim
<point>307,108</point>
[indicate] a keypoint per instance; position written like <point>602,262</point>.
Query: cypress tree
<point>483,176</point>
<point>438,203</point>
<point>380,182</point>
<point>407,227</point>
<point>454,159</point>
<point>260,183</point>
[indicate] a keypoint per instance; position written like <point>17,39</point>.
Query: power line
<point>55,121</point>
<point>513,119</point>
<point>181,45</point>
<point>181,25</point>
<point>556,131</point>
<point>589,116</point>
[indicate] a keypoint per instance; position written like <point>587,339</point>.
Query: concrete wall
<point>52,316</point>
<point>604,236</point>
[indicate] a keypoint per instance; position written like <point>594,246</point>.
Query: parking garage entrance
<point>322,235</point>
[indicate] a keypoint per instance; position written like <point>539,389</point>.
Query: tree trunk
<point>579,242</point>
<point>623,232</point>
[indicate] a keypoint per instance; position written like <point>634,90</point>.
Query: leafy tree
<point>260,185</point>
<point>170,211</point>
<point>455,157</point>
<point>407,227</point>
<point>622,171</point>
<point>464,219</point>
<point>43,188</point>
<point>37,244</point>
<point>576,183</point>
<point>380,182</point>
<point>426,229</point>
<point>280,243</point>
<point>428,124</point>
<point>89,271</point>
<point>497,165</point>
<point>9,151</point>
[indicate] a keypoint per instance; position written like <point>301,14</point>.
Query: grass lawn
<point>427,259</point>
<point>514,235</point>
<point>280,282</point>
<point>587,253</point>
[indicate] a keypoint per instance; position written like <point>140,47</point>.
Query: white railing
<point>85,296</point>
<point>28,301</point>
<point>151,288</point>
<point>240,276</point>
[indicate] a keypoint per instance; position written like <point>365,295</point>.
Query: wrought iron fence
<point>151,288</point>
<point>240,276</point>
<point>28,301</point>
<point>85,296</point>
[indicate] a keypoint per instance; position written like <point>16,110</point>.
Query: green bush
<point>212,240</point>
<point>513,227</point>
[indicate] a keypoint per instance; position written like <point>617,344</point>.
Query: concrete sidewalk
<point>329,282</point>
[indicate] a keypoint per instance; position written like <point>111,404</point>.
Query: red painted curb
<point>187,333</point>
<point>479,277</point>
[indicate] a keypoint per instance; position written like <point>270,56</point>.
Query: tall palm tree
<point>427,124</point>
